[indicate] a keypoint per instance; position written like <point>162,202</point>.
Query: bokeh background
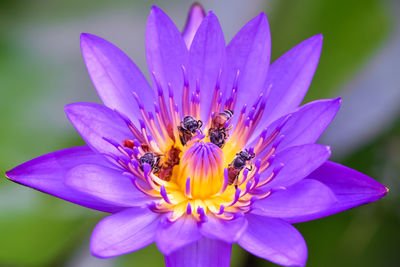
<point>41,70</point>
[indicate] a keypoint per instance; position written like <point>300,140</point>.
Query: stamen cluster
<point>195,168</point>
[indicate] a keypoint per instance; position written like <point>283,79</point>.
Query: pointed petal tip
<point>318,38</point>
<point>336,103</point>
<point>261,19</point>
<point>15,174</point>
<point>86,37</point>
<point>12,175</point>
<point>211,13</point>
<point>196,10</point>
<point>383,191</point>
<point>351,188</point>
<point>314,41</point>
<point>68,108</point>
<point>211,17</point>
<point>198,6</point>
<point>155,10</point>
<point>8,174</point>
<point>262,16</point>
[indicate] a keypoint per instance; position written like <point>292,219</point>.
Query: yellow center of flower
<point>201,170</point>
<point>194,167</point>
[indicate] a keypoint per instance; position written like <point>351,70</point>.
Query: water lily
<point>218,151</point>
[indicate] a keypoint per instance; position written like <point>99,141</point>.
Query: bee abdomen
<point>228,113</point>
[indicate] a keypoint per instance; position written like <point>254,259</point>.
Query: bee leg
<point>249,168</point>
<point>236,182</point>
<point>183,139</point>
<point>200,123</point>
<point>225,135</point>
<point>157,165</point>
<point>155,169</point>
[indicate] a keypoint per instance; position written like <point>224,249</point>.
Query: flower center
<point>197,167</point>
<point>202,166</point>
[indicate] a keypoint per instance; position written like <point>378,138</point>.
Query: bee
<point>218,137</point>
<point>152,160</point>
<point>238,164</point>
<point>188,127</point>
<point>218,131</point>
<point>167,167</point>
<point>219,121</point>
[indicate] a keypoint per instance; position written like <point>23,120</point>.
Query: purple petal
<point>115,76</point>
<point>350,187</point>
<point>95,122</point>
<point>124,232</point>
<point>46,173</point>
<point>207,58</point>
<point>300,200</point>
<point>227,230</point>
<point>250,53</point>
<point>307,124</point>
<point>108,185</point>
<point>203,253</point>
<point>174,235</point>
<point>195,17</point>
<point>274,240</point>
<point>166,52</point>
<point>288,79</point>
<point>298,162</point>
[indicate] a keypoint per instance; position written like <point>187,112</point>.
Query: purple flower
<point>218,151</point>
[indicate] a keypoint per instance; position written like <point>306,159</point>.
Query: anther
<point>221,210</point>
<point>164,194</point>
<point>139,103</point>
<point>170,92</point>
<point>236,198</point>
<point>189,209</point>
<point>202,215</point>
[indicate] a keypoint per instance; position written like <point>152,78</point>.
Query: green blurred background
<point>41,70</point>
